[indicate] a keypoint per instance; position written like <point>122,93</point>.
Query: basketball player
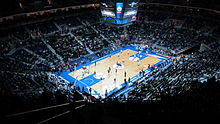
<point>143,72</point>
<point>139,63</point>
<point>146,51</point>
<point>94,72</point>
<point>83,89</point>
<point>125,81</point>
<point>140,73</point>
<point>90,90</point>
<point>123,60</point>
<point>106,93</point>
<point>109,69</point>
<point>118,54</point>
<point>139,52</point>
<point>140,56</point>
<point>128,52</point>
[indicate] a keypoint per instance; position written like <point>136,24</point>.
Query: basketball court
<point>109,73</point>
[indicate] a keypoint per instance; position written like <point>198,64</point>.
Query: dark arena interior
<point>109,61</point>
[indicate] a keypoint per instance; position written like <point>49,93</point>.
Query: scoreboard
<point>119,12</point>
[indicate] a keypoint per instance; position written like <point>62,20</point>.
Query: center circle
<point>134,58</point>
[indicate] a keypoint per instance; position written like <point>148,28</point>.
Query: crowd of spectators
<point>90,38</point>
<point>66,46</point>
<point>178,76</point>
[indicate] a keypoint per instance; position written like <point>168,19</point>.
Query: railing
<point>40,115</point>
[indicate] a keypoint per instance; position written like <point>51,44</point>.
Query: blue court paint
<point>67,77</point>
<point>138,55</point>
<point>90,80</point>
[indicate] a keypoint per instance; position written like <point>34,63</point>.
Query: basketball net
<point>85,70</point>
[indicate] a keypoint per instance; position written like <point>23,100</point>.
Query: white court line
<point>135,78</point>
<point>64,79</point>
<point>132,80</point>
<point>124,91</point>
<point>138,76</point>
<point>99,59</point>
<point>74,81</point>
<point>156,56</point>
<point>82,82</point>
<point>104,57</point>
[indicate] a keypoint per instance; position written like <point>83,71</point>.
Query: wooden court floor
<point>130,67</point>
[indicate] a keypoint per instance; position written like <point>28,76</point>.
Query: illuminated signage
<point>119,9</point>
<point>108,13</point>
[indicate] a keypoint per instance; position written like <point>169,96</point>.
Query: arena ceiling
<point>8,7</point>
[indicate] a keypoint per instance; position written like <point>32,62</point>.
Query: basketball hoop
<point>84,68</point>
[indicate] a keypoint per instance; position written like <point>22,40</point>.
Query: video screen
<point>108,13</point>
<point>130,13</point>
<point>122,12</point>
<point>119,21</point>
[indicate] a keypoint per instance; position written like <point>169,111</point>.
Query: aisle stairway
<point>53,51</point>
